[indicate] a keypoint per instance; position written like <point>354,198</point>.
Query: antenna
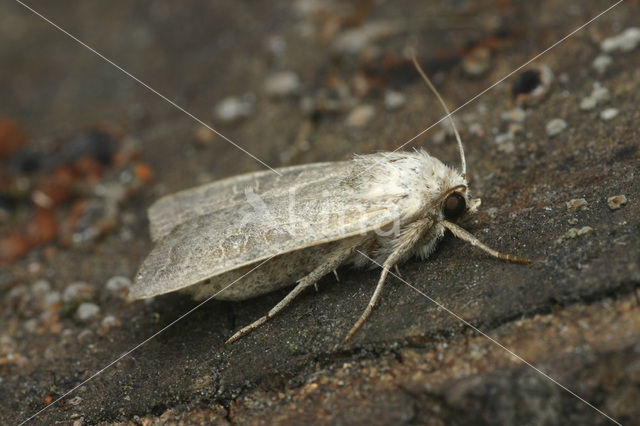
<point>463,162</point>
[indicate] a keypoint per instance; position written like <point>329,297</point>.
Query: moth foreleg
<point>407,240</point>
<point>465,235</point>
<point>335,259</point>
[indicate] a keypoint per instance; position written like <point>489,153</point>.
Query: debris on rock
<point>232,108</point>
<point>608,114</point>
<point>77,291</point>
<point>617,201</point>
<point>555,127</point>
<point>360,115</point>
<point>203,136</point>
<point>514,115</point>
<point>505,142</point>
<point>87,311</point>
<point>282,84</point>
<point>601,63</point>
<point>477,62</point>
<point>117,283</point>
<point>357,39</point>
<point>599,95</point>
<point>575,204</point>
<point>575,232</point>
<point>623,42</point>
<point>108,323</point>
<point>394,100</point>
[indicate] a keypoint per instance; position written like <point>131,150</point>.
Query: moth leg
<point>408,239</point>
<point>397,270</point>
<point>465,235</point>
<point>330,264</point>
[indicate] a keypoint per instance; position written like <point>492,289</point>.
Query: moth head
<point>454,206</point>
<point>457,203</point>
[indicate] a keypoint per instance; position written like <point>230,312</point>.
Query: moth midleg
<point>468,237</point>
<point>335,259</point>
<point>406,242</point>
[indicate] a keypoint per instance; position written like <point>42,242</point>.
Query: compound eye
<point>454,206</point>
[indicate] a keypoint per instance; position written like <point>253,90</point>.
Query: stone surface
<point>573,313</point>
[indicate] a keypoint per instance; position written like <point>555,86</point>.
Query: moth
<point>305,222</point>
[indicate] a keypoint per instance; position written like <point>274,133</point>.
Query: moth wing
<point>266,224</point>
<point>172,210</point>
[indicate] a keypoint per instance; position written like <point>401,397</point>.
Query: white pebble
<point>555,126</point>
<point>109,322</point>
<point>617,201</point>
<point>117,283</point>
<point>515,115</point>
<point>588,103</point>
<point>360,115</point>
<point>601,63</point>
<point>51,298</point>
<point>608,114</point>
<point>600,93</point>
<point>507,147</point>
<point>86,311</point>
<point>356,39</point>
<point>575,232</point>
<point>394,100</point>
<point>41,287</point>
<point>75,400</point>
<point>282,84</point>
<point>624,42</point>
<point>575,204</point>
<point>231,109</point>
<point>76,291</point>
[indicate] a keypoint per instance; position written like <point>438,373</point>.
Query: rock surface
<point>573,314</point>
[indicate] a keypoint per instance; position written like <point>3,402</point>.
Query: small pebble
<point>505,142</point>
<point>588,103</point>
<point>608,114</point>
<point>600,93</point>
<point>232,108</point>
<point>503,138</point>
<point>357,39</point>
<point>507,147</point>
<point>360,115</point>
<point>117,283</point>
<point>597,96</point>
<point>85,335</point>
<point>107,324</point>
<point>282,84</point>
<point>77,291</point>
<point>555,127</point>
<point>41,287</point>
<point>203,136</point>
<point>515,115</point>
<point>575,204</point>
<point>601,63</point>
<point>75,400</point>
<point>624,42</point>
<point>31,325</point>
<point>51,299</point>
<point>575,232</point>
<point>477,62</point>
<point>617,201</point>
<point>394,100</point>
<point>86,311</point>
